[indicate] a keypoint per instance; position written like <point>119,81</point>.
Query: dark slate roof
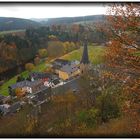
<point>69,68</point>
<point>55,66</point>
<point>61,61</point>
<point>14,107</point>
<point>25,83</point>
<point>56,81</point>
<point>40,75</point>
<point>2,97</point>
<point>85,59</point>
<point>42,95</point>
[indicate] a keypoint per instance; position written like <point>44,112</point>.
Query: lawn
<point>95,54</point>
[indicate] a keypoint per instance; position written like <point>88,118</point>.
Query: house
<point>26,86</point>
<point>40,96</point>
<point>76,62</point>
<point>61,62</point>
<point>46,78</point>
<point>4,99</point>
<point>4,109</point>
<point>1,98</point>
<point>57,64</point>
<point>40,76</point>
<point>69,71</point>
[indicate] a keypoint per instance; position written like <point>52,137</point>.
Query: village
<point>39,87</point>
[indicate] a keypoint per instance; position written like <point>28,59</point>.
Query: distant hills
<point>8,23</point>
<point>70,20</point>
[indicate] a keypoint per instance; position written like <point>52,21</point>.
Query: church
<point>84,64</point>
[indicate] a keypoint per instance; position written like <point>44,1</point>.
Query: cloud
<point>50,11</point>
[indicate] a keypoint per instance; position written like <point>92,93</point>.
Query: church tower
<point>84,64</point>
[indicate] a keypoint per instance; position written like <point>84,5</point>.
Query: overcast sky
<point>50,11</point>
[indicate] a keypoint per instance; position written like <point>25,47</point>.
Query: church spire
<point>84,64</point>
<point>85,59</point>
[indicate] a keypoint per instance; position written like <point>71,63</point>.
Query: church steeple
<point>85,59</point>
<point>84,64</point>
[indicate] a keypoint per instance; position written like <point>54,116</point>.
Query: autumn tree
<point>55,48</point>
<point>29,66</point>
<point>36,60</point>
<point>53,38</point>
<point>19,92</point>
<point>42,53</point>
<point>122,28</point>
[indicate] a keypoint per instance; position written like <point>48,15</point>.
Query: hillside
<point>69,20</point>
<point>7,23</point>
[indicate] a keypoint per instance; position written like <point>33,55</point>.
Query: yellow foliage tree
<point>19,92</point>
<point>42,53</point>
<point>29,66</point>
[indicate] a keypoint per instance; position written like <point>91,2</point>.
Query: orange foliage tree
<point>123,29</point>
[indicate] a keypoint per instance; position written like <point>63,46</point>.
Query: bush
<point>18,92</point>
<point>55,48</point>
<point>37,60</point>
<point>42,53</point>
<point>89,117</point>
<point>108,106</point>
<point>29,66</point>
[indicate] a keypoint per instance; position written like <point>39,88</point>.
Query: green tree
<point>108,106</point>
<point>89,117</point>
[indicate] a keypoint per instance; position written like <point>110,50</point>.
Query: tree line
<point>16,49</point>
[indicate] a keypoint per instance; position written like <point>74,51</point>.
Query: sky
<point>50,11</point>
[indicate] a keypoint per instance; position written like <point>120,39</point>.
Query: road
<point>69,85</point>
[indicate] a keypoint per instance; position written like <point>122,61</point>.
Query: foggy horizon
<point>47,11</point>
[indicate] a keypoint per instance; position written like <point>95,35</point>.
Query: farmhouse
<point>4,109</point>
<point>1,98</point>
<point>69,71</point>
<point>40,97</point>
<point>4,99</point>
<point>26,86</point>
<point>15,107</point>
<point>58,63</point>
<point>40,75</point>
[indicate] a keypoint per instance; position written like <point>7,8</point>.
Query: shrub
<point>29,66</point>
<point>89,117</point>
<point>108,106</point>
<point>42,53</point>
<point>37,60</point>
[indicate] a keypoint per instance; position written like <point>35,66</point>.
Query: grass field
<point>95,54</point>
<point>95,57</point>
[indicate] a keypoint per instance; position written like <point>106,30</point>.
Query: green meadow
<point>95,54</point>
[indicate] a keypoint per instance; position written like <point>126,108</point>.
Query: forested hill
<point>7,23</point>
<point>69,20</point>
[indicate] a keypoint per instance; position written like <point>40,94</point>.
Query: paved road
<point>69,85</point>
